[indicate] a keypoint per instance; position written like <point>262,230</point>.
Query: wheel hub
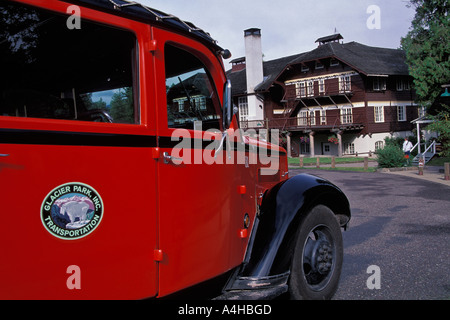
<point>322,258</point>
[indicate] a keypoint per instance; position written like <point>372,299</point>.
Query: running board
<point>256,294</point>
<point>256,288</point>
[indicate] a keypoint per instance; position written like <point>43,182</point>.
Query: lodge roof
<point>367,60</point>
<point>271,70</point>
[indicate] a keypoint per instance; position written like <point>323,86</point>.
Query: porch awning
<point>421,120</point>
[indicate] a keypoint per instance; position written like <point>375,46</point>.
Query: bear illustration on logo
<point>75,210</point>
<point>72,211</point>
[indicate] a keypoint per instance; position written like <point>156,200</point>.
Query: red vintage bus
<point>124,174</point>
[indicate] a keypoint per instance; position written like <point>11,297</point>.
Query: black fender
<point>270,247</point>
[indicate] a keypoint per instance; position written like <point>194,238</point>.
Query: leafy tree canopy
<point>427,47</point>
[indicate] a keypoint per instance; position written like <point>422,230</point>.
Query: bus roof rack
<point>138,11</point>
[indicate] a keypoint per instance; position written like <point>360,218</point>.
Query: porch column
<point>418,138</point>
<point>339,136</point>
<point>311,144</point>
<point>288,144</point>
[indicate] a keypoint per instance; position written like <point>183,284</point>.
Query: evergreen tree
<point>427,49</point>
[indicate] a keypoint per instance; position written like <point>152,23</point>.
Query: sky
<point>292,26</point>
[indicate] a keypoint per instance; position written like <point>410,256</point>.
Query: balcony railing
<point>318,90</point>
<point>342,122</point>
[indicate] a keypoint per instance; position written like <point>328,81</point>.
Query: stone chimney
<point>254,72</point>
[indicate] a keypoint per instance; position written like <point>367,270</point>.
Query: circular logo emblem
<point>72,211</point>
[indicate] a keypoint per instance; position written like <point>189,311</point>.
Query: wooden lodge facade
<point>338,99</point>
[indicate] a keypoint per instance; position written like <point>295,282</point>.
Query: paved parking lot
<point>401,225</point>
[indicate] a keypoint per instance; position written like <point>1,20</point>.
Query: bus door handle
<point>168,159</point>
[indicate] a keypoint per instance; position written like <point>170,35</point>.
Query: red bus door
<point>200,210</point>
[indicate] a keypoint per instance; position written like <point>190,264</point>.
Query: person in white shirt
<point>407,146</point>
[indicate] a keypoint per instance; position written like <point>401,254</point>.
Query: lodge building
<point>338,99</point>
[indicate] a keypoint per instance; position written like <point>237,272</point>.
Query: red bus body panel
<point>164,227</point>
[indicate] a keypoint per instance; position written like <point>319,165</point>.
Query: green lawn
<point>325,160</point>
<point>438,161</point>
<point>359,169</point>
<point>310,163</point>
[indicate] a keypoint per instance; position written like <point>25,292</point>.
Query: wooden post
<point>301,162</point>
<point>421,165</point>
<point>366,163</point>
<point>339,136</point>
<point>333,162</point>
<point>311,144</point>
<point>318,163</point>
<point>447,170</point>
<point>420,171</point>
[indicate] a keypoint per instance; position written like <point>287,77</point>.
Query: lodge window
<point>49,71</point>
<point>310,89</point>
<point>349,148</point>
<point>306,118</point>
<point>243,109</point>
<point>304,148</point>
<point>379,145</point>
<point>319,65</point>
<point>379,113</point>
<point>323,117</point>
<point>321,86</point>
<point>379,84</point>
<point>345,84</point>
<point>401,113</point>
<point>312,118</point>
<point>300,89</point>
<point>302,119</point>
<point>191,95</point>
<point>403,85</point>
<point>334,62</point>
<point>346,115</point>
<point>406,85</point>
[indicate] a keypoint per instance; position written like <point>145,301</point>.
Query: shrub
<point>398,142</point>
<point>390,156</point>
<point>394,141</point>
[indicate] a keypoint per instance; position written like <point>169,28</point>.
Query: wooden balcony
<point>317,123</point>
<point>317,90</point>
